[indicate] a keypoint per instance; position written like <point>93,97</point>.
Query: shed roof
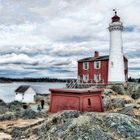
<point>76,91</point>
<point>22,88</point>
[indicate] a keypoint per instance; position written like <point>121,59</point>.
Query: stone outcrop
<point>10,107</point>
<point>134,90</point>
<point>74,125</point>
<point>120,121</point>
<point>14,110</point>
<point>3,107</point>
<point>24,114</point>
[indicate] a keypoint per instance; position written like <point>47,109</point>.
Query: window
<point>97,77</point>
<point>80,78</point>
<point>111,64</point>
<point>85,65</point>
<point>85,78</point>
<point>97,64</point>
<point>125,65</point>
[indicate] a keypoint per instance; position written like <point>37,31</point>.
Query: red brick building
<point>95,69</point>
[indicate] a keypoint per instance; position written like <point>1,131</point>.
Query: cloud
<point>46,38</point>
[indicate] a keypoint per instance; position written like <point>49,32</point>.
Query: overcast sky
<point>45,38</point>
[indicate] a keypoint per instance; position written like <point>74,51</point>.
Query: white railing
<point>71,83</point>
<point>77,83</point>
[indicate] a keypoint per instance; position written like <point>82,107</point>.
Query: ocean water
<point>7,90</point>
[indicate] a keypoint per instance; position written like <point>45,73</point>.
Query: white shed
<point>25,93</point>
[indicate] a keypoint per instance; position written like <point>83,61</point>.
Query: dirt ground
<point>6,126</point>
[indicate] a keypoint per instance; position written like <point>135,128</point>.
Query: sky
<point>45,38</point>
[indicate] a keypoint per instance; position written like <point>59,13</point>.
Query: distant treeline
<point>4,79</point>
<point>47,79</point>
<point>130,79</point>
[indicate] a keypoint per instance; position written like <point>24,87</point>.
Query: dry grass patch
<point>125,97</point>
<point>136,111</point>
<point>18,123</point>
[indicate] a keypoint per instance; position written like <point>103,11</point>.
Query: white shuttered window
<point>97,77</point>
<point>97,64</point>
<point>85,65</point>
<point>86,78</point>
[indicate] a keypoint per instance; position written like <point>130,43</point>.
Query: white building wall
<point>18,97</point>
<point>116,61</point>
<point>27,97</point>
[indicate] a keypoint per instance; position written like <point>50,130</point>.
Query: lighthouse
<point>116,59</point>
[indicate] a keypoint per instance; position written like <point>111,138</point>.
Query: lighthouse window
<point>86,65</point>
<point>111,64</point>
<point>97,64</point>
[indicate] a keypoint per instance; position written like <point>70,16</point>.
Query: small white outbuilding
<point>25,93</point>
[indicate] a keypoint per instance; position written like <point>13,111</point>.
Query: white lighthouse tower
<point>116,61</point>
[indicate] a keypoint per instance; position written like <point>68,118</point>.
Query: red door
<point>92,103</point>
<point>87,104</point>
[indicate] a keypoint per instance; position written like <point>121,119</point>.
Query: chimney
<point>96,54</point>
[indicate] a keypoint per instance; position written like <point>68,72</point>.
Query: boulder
<point>123,125</point>
<point>27,114</point>
<point>75,125</point>
<point>119,89</point>
<point>117,102</point>
<point>107,103</point>
<point>22,114</point>
<point>7,116</point>
<point>127,110</point>
<point>3,107</point>
<point>15,106</point>
<point>134,90</point>
<point>2,103</point>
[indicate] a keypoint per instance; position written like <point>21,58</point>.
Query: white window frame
<point>85,77</point>
<point>97,78</point>
<point>80,78</point>
<point>97,64</point>
<point>85,65</point>
<point>112,64</point>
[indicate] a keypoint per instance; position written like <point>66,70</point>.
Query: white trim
<point>80,78</point>
<point>97,64</point>
<point>85,65</point>
<point>85,77</point>
<point>97,78</point>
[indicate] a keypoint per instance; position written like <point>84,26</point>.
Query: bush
<point>119,89</point>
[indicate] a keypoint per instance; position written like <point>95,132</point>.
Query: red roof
<point>106,57</point>
<point>100,58</point>
<point>76,91</point>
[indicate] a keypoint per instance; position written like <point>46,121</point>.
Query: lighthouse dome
<point>115,18</point>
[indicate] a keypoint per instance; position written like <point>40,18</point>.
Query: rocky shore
<point>120,121</point>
